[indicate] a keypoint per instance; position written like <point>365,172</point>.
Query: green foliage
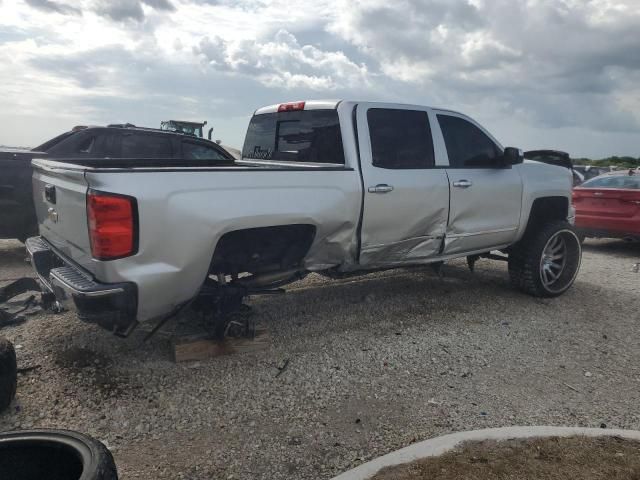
<point>623,162</point>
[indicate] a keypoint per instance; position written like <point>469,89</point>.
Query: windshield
<point>299,136</point>
<point>54,141</point>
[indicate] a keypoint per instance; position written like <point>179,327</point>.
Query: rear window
<point>51,143</point>
<point>76,145</point>
<point>298,136</point>
<point>631,182</point>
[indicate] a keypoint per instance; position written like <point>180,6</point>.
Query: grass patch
<point>551,458</point>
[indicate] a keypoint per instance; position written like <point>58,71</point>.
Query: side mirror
<point>512,156</point>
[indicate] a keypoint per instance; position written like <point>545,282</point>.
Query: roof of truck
<point>306,105</point>
<point>330,105</point>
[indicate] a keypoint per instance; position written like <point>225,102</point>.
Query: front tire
<point>546,261</point>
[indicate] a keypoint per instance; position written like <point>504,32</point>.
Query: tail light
<point>291,107</point>
<point>113,225</point>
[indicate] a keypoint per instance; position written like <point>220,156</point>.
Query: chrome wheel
<point>545,262</point>
<point>554,258</point>
<point>556,271</point>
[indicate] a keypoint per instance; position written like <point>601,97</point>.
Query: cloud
<point>88,69</point>
<point>531,70</point>
<point>50,6</point>
<point>558,63</point>
<point>282,61</point>
<point>119,10</point>
<point>160,5</point>
<point>129,10</point>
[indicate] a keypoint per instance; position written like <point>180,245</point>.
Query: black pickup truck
<point>17,214</point>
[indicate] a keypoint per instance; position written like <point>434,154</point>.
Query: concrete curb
<point>439,445</point>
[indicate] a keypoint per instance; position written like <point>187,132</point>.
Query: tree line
<point>622,162</point>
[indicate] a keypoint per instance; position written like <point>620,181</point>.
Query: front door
<point>486,198</point>
<point>406,199</point>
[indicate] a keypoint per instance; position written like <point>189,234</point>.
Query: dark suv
<point>17,215</point>
<point>133,142</point>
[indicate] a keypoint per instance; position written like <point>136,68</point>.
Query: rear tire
<point>8,373</point>
<point>546,261</point>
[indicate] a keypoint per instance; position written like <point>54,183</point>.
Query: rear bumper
<point>110,305</point>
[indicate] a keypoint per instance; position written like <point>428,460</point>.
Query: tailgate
<point>606,202</point>
<point>59,193</point>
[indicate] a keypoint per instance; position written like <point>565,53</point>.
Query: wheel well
<point>263,249</point>
<point>547,209</point>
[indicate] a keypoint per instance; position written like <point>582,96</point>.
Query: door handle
<point>462,183</point>
<point>50,193</point>
<point>380,188</point>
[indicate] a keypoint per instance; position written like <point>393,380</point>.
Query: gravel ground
<point>375,363</point>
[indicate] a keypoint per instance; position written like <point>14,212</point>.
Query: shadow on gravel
<point>378,301</point>
<point>414,296</point>
<point>616,247</point>
<point>12,256</point>
<point>95,367</point>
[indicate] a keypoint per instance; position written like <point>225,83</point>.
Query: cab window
<point>400,139</point>
<point>467,145</point>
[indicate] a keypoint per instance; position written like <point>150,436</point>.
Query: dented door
<point>486,197</point>
<point>406,199</point>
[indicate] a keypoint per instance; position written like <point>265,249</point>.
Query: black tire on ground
<point>546,261</point>
<point>8,373</point>
<point>54,455</point>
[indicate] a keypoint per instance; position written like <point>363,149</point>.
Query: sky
<point>562,74</point>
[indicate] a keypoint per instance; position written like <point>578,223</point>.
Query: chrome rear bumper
<point>112,305</point>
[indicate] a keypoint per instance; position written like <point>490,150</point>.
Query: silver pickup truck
<point>335,187</point>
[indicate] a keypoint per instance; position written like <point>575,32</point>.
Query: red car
<point>608,206</point>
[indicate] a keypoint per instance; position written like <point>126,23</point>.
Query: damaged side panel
<point>406,195</point>
<point>182,222</point>
<point>409,223</point>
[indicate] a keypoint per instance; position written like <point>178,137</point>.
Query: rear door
<point>486,199</point>
<point>406,197</point>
